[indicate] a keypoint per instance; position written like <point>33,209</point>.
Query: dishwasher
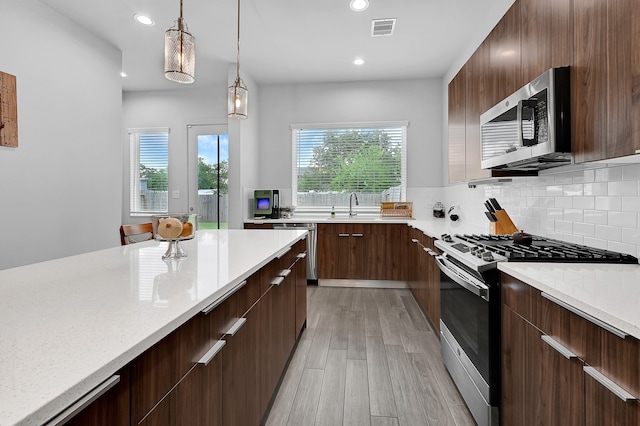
<point>312,239</point>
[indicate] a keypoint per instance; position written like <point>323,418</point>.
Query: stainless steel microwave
<point>530,129</point>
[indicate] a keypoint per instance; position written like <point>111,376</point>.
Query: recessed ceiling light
<point>358,61</point>
<point>123,74</point>
<point>359,5</point>
<point>144,19</point>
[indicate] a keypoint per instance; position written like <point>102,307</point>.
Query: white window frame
<point>349,125</point>
<point>134,169</point>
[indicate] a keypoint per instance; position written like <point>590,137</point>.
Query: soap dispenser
<point>333,211</point>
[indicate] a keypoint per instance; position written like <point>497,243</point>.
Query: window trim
<point>134,172</point>
<point>404,125</point>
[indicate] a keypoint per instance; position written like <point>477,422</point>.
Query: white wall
<point>244,139</point>
<point>418,101</point>
<point>179,108</point>
<point>174,109</point>
<point>60,190</point>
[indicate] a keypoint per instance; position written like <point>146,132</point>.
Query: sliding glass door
<point>209,175</point>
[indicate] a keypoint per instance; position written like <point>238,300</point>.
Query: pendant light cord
<point>238,46</point>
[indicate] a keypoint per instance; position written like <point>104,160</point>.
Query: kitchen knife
<point>495,204</point>
<point>491,217</point>
<point>489,207</point>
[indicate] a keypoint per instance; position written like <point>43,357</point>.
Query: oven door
<point>465,329</point>
<point>464,308</point>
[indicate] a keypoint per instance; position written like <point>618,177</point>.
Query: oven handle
<point>451,271</point>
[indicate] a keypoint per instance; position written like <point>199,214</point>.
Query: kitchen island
<point>71,323</point>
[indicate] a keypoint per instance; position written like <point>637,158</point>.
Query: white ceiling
<point>286,40</point>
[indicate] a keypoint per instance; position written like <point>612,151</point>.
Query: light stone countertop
<point>67,325</point>
<point>611,293</point>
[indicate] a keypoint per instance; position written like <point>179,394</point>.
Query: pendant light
<point>179,52</point>
<point>238,93</point>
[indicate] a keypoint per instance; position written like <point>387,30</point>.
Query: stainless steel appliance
<point>312,241</point>
<point>470,306</point>
<point>530,129</point>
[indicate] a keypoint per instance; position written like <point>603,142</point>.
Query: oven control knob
<point>487,256</point>
<point>447,238</point>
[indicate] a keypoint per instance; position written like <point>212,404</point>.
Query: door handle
<point>613,387</point>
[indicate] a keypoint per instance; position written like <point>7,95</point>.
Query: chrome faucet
<point>351,213</point>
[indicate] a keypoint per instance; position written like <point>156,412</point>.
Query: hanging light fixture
<point>179,52</point>
<point>238,93</point>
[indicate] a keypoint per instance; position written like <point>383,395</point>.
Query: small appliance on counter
<point>438,210</point>
<point>266,203</point>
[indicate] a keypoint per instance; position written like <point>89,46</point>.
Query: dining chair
<point>135,233</point>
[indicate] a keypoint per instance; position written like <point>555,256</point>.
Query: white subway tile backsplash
<point>596,217</point>
<point>608,174</point>
<point>596,205</point>
<point>608,203</point>
<point>631,172</point>
<point>596,188</point>
<point>555,214</point>
<point>564,226</point>
<point>595,242</point>
<point>589,175</point>
<point>609,233</point>
<point>574,190</point>
<point>626,187</point>
<point>631,236</point>
<point>563,202</point>
<point>622,219</point>
<point>584,229</point>
<point>584,203</point>
<point>573,215</point>
<point>554,191</point>
<point>623,248</point>
<point>631,204</point>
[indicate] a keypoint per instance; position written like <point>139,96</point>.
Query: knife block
<point>504,225</point>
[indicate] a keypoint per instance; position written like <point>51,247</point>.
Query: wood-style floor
<point>367,357</point>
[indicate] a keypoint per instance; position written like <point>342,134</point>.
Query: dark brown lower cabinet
<point>195,400</point>
<point>424,280</point>
<point>559,368</point>
<point>111,408</point>
<point>241,372</point>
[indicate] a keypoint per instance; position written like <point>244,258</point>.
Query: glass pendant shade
<point>179,53</point>
<point>237,100</point>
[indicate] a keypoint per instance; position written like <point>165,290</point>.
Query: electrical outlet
<point>175,194</point>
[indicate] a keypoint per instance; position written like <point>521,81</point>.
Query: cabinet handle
<point>224,297</point>
<point>211,353</point>
<point>235,327</point>
<point>285,272</point>
<point>302,255</point>
<point>343,235</point>
<point>283,252</point>
<point>609,384</point>
<point>277,281</point>
<point>82,403</point>
<point>413,240</point>
<point>426,249</point>
<point>357,235</point>
<point>565,352</point>
<point>621,334</point>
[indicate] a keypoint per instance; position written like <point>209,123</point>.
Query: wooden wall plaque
<point>8,110</point>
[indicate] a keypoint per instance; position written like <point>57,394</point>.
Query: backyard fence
<point>208,203</point>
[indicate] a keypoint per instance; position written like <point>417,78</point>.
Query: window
<point>331,161</point>
<point>149,163</point>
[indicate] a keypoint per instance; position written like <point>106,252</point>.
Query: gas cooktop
<point>543,250</point>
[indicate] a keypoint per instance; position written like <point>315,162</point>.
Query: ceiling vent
<point>383,27</point>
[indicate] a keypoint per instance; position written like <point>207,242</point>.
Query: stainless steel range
<point>470,306</point>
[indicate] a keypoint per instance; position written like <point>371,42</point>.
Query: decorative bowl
<point>174,227</point>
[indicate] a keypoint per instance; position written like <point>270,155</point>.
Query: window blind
<point>331,161</point>
<point>149,175</point>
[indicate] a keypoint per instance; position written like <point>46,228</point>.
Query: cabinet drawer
<point>158,369</point>
<point>248,295</point>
